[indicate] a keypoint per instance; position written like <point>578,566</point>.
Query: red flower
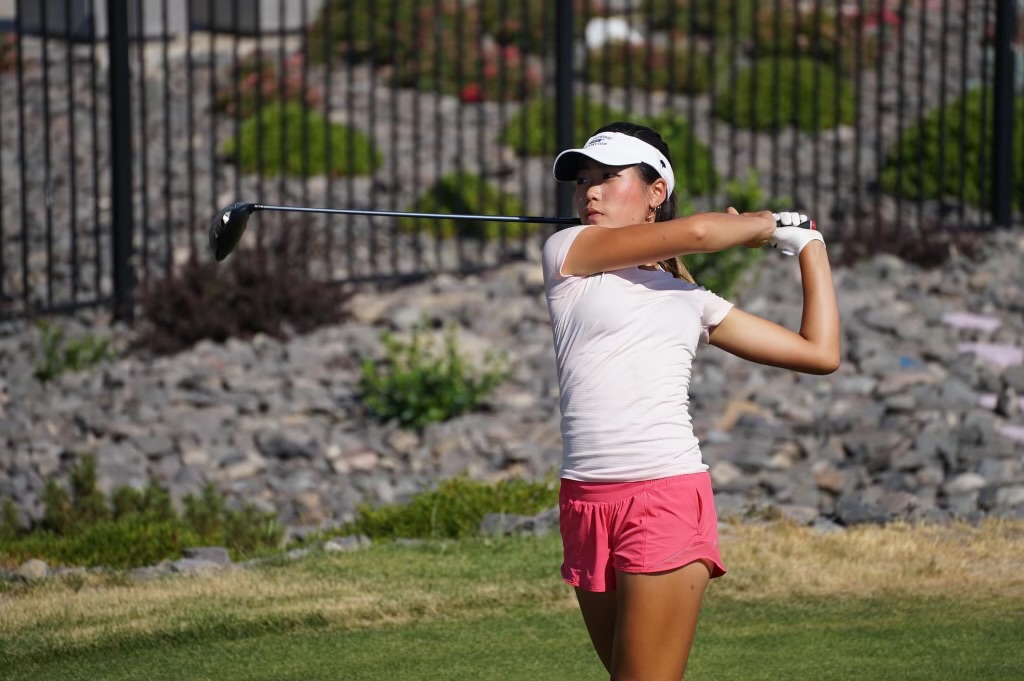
<point>471,92</point>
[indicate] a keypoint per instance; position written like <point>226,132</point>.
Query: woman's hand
<point>768,221</point>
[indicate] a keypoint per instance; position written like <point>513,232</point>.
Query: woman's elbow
<point>827,364</point>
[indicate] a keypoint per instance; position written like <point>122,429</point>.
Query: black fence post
<point>564,46</point>
<point>1002,122</point>
<point>121,159</point>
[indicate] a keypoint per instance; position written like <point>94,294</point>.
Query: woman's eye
<point>609,176</point>
<point>581,180</point>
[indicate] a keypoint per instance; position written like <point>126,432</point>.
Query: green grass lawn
<point>479,609</point>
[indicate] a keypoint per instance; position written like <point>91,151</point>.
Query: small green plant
<point>140,527</point>
<point>205,513</point>
<point>721,272</point>
<point>791,83</point>
<point>719,18</point>
<point>293,139</point>
<point>417,385</point>
<point>10,525</point>
<point>77,354</point>
<point>948,147</point>
<point>465,193</point>
<point>531,132</point>
<point>258,80</point>
<point>692,164</point>
<point>454,509</point>
<point>647,67</point>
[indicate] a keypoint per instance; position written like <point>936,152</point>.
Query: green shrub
<point>10,526</point>
<point>454,509</point>
<point>802,32</point>
<point>649,67</point>
<point>266,290</point>
<point>465,193</point>
<point>417,385</point>
<point>131,542</point>
<point>249,531</point>
<point>471,68</point>
<point>262,80</point>
<point>708,18</point>
<point>382,31</point>
<point>75,355</point>
<point>687,152</point>
<point>720,272</point>
<point>205,514</point>
<point>8,51</point>
<point>396,31</point>
<point>299,141</point>
<point>78,528</point>
<point>958,148</point>
<point>794,82</point>
<point>531,132</point>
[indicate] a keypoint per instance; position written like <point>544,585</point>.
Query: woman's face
<point>611,196</point>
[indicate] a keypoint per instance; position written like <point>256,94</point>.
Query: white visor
<point>614,149</point>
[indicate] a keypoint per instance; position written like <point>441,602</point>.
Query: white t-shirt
<point>624,344</point>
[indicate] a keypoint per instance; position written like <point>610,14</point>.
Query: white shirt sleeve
<point>713,309</point>
<point>555,249</point>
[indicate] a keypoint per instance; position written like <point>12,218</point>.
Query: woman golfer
<point>638,520</point>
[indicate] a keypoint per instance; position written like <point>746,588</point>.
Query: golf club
<point>227,228</point>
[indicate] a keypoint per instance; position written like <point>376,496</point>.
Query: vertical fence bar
<point>190,160</point>
<point>72,186</point>
<point>879,111</point>
<point>943,68</point>
<point>121,158</point>
<point>47,188</point>
<point>165,37</point>
<point>816,107</point>
<point>350,132</point>
<point>1002,114</point>
<point>563,94</point>
<point>776,91</point>
<point>95,135</point>
<point>329,160</point>
<point>858,98</point>
<point>964,52</point>
<point>23,167</point>
<point>985,167</point>
<point>143,146</point>
<point>922,38</point>
<point>734,38</point>
<point>396,185</point>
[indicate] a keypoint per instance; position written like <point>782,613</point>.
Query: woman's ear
<point>659,193</point>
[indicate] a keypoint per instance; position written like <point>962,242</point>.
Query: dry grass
<point>765,561</point>
<point>776,560</point>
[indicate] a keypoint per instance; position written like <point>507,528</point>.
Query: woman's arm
<point>602,249</point>
<point>815,350</point>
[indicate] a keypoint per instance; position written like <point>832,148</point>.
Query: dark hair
<point>667,210</point>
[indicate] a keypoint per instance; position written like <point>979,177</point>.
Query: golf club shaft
<point>436,216</point>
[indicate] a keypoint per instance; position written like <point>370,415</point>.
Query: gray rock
<point>194,567</point>
<point>852,510</point>
<point>33,570</point>
<point>347,543</point>
<point>212,554</point>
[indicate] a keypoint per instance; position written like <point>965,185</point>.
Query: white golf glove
<point>793,232</point>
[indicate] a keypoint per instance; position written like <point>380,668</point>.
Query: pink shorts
<point>646,526</point>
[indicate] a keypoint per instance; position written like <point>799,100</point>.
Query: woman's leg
<point>598,608</point>
<point>656,617</point>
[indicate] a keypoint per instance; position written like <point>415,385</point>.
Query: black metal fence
<point>126,125</point>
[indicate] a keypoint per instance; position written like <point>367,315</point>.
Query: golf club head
<point>227,228</point>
